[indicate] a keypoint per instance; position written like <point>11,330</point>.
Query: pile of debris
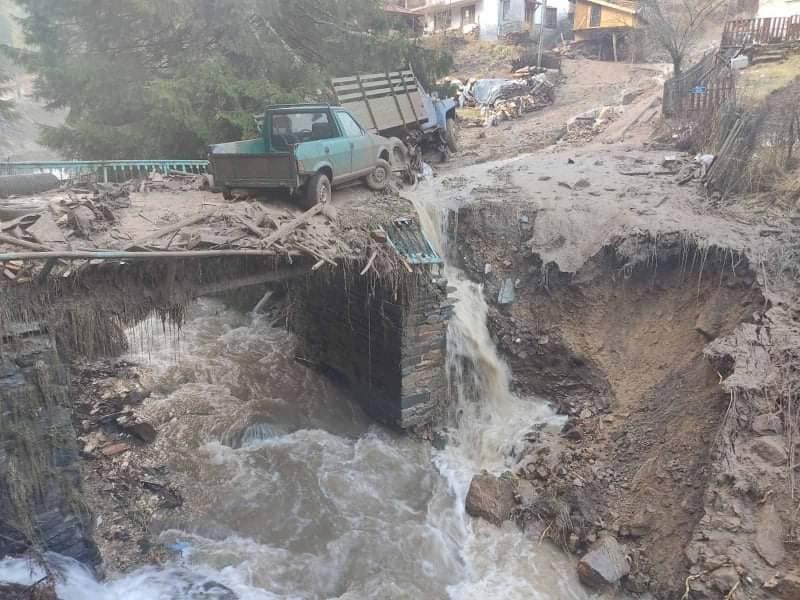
<point>585,126</point>
<point>504,99</point>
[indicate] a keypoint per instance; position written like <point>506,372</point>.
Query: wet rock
<point>211,590</point>
<point>771,449</point>
<point>604,565</point>
<point>767,424</point>
<point>440,440</point>
<point>769,536</point>
<point>490,498</point>
<point>12,591</point>
<point>582,184</point>
<point>724,578</point>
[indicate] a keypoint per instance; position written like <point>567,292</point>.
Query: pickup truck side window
<point>349,125</point>
<point>290,128</point>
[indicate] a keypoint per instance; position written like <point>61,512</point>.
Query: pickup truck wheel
<point>317,191</point>
<point>227,194</point>
<point>380,176</point>
<point>452,134</point>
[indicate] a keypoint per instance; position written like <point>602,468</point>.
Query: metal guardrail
<point>103,170</point>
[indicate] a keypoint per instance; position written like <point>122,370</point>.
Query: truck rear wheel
<point>380,176</point>
<point>317,191</point>
<point>452,134</point>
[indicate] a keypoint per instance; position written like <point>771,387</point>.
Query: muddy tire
<point>227,194</point>
<point>451,135</point>
<point>316,191</point>
<point>380,176</point>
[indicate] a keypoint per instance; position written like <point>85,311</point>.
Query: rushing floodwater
<point>294,494</point>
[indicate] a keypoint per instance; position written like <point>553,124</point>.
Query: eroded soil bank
<point>666,352</point>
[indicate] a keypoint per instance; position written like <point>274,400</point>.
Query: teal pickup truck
<point>305,149</point>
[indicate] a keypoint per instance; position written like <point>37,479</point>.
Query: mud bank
<point>664,350</point>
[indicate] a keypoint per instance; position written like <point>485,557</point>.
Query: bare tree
<point>678,24</point>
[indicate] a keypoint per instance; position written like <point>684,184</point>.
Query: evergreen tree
<point>147,78</point>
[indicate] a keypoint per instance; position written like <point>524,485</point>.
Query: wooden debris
<point>369,262</point>
<point>175,227</point>
<point>7,239</point>
<point>289,227</point>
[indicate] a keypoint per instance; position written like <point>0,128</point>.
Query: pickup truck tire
<point>380,176</point>
<point>452,134</point>
<point>317,191</point>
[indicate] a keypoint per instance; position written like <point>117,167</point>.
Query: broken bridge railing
<point>103,170</point>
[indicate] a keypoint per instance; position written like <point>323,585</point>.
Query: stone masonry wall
<point>388,340</point>
<point>40,489</point>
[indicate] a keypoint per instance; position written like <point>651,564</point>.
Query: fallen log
<point>7,239</point>
<point>128,255</point>
<point>25,185</point>
<point>174,228</point>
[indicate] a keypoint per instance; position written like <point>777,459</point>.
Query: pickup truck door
<point>360,143</point>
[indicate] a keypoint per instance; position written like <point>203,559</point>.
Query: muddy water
<point>293,493</point>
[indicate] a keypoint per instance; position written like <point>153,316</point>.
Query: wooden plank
<point>369,107</point>
<point>289,227</point>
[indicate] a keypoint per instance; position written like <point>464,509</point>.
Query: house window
<point>551,18</point>
<point>596,16</point>
<point>506,10</point>
<point>442,20</point>
<point>530,14</point>
<point>468,15</point>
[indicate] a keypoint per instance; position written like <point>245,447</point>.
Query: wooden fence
<point>705,86</point>
<point>748,32</point>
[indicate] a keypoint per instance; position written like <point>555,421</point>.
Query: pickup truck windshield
<point>290,128</point>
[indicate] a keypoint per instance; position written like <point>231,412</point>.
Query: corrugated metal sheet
<point>407,238</point>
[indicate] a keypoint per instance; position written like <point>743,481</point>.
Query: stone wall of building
<point>40,487</point>
<point>388,339</point>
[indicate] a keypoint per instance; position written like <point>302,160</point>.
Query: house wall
<point>564,8</point>
<point>778,8</point>
<point>609,17</point>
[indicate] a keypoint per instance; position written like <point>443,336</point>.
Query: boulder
<point>771,449</point>
<point>788,587</point>
<point>724,578</point>
<point>526,493</point>
<point>142,430</point>
<point>769,536</point>
<point>490,498</point>
<point>767,424</point>
<point>604,565</point>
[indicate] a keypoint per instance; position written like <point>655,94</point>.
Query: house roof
<point>427,8</point>
<point>628,7</point>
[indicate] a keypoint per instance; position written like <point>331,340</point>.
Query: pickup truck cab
<point>305,149</point>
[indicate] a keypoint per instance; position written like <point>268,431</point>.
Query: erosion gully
<point>296,494</point>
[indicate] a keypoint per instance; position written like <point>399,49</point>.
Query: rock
<point>769,536</point>
<point>143,430</point>
<point>767,424</point>
<point>115,449</point>
<point>82,219</point>
<point>526,493</point>
<point>724,578</point>
<point>506,294</point>
<point>629,96</point>
<point>604,565</point>
<point>582,184</point>
<point>490,498</point>
<point>788,588</point>
<point>771,449</point>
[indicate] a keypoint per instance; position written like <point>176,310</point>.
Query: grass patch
<point>759,80</point>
